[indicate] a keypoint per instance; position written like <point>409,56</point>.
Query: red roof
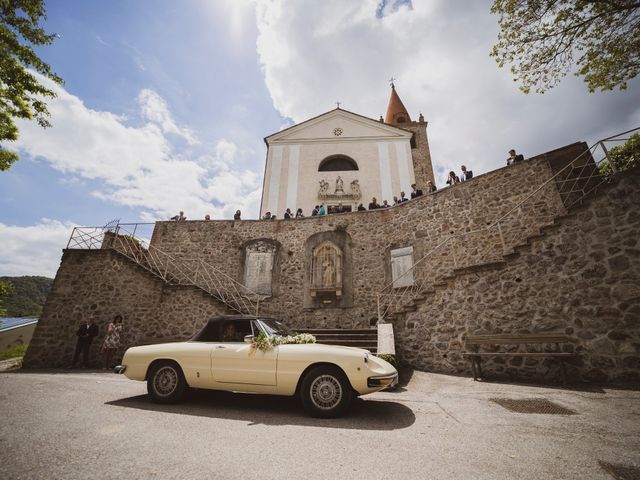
<point>396,111</point>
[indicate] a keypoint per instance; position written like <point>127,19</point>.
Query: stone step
<point>338,336</point>
<point>366,344</point>
<point>340,331</point>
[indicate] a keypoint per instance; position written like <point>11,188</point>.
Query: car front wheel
<point>325,392</point>
<point>166,383</point>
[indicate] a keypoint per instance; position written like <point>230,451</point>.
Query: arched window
<point>337,163</point>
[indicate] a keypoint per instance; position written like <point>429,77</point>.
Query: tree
<point>5,291</point>
<point>21,94</point>
<point>540,38</point>
<point>624,156</point>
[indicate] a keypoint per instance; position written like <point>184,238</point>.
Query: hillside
<point>28,295</point>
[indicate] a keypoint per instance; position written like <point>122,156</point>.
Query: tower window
<point>401,120</point>
<point>337,163</point>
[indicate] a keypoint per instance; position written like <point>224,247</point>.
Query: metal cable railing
<point>574,182</point>
<point>128,240</point>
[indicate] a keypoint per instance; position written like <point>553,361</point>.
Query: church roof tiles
<point>396,111</point>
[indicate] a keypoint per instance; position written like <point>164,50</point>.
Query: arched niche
<point>326,269</point>
<point>328,278</point>
<point>338,163</point>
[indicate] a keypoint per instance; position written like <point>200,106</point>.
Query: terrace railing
<point>579,179</point>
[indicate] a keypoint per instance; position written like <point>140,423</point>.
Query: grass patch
<point>13,352</point>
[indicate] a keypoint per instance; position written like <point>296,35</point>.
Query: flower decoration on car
<point>266,343</point>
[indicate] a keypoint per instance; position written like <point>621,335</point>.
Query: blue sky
<point>166,104</point>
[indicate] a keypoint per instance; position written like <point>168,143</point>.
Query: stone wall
<point>576,278</point>
<point>104,283</point>
<point>580,277</point>
<point>422,223</point>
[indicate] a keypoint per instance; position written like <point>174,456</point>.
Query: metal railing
<point>574,182</point>
<point>129,240</point>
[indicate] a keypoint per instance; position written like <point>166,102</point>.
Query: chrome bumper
<point>382,381</point>
<point>119,369</point>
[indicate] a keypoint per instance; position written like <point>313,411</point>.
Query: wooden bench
<point>474,342</point>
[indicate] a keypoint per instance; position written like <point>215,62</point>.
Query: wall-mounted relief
<point>401,262</point>
<point>328,273</point>
<point>336,192</point>
<point>259,266</point>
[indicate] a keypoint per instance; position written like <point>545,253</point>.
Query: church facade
<point>342,159</point>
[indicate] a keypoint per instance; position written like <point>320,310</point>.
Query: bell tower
<point>398,116</point>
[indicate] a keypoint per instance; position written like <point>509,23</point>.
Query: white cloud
<point>139,166</point>
<point>314,53</point>
<point>156,110</point>
<point>33,250</point>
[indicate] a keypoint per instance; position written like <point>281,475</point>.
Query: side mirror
<point>248,339</point>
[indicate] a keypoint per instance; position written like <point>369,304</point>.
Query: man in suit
<point>415,191</point>
<point>86,333</point>
<point>466,174</point>
<point>513,158</point>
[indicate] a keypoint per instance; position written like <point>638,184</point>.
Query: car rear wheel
<point>325,392</point>
<point>166,383</point>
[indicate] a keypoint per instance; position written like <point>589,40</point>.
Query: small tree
<point>539,39</point>
<point>21,94</point>
<point>624,156</point>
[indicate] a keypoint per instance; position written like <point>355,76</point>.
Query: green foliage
<point>540,39</point>
<point>21,94</point>
<point>27,296</point>
<point>5,290</point>
<point>624,157</point>
<point>387,357</point>
<point>13,352</point>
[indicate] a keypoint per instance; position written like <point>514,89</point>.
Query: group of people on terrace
<point>319,210</point>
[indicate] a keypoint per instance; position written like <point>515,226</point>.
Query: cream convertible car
<point>222,356</point>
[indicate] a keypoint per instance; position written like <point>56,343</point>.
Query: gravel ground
<point>86,425</point>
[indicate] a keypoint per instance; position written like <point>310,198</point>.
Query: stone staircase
<point>577,184</point>
<point>361,338</point>
<point>195,272</point>
<point>513,252</point>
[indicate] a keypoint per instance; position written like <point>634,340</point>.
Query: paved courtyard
<point>87,425</point>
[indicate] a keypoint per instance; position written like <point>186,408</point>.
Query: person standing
<point>299,213</point>
<point>287,214</point>
<point>466,174</point>
<point>453,179</point>
<point>86,333</point>
<point>322,210</point>
<point>111,341</point>
<point>402,198</point>
<point>431,187</point>
<point>415,191</point>
<point>513,157</point>
<point>237,215</point>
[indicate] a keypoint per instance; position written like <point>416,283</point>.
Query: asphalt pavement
<point>96,425</point>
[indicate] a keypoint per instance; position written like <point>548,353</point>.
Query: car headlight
<point>366,357</point>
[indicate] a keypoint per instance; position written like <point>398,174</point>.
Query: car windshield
<point>274,327</point>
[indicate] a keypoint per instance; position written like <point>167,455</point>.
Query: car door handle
<point>221,346</point>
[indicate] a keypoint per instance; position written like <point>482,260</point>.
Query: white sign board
<point>401,272</point>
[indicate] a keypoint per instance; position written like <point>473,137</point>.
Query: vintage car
<point>223,356</point>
